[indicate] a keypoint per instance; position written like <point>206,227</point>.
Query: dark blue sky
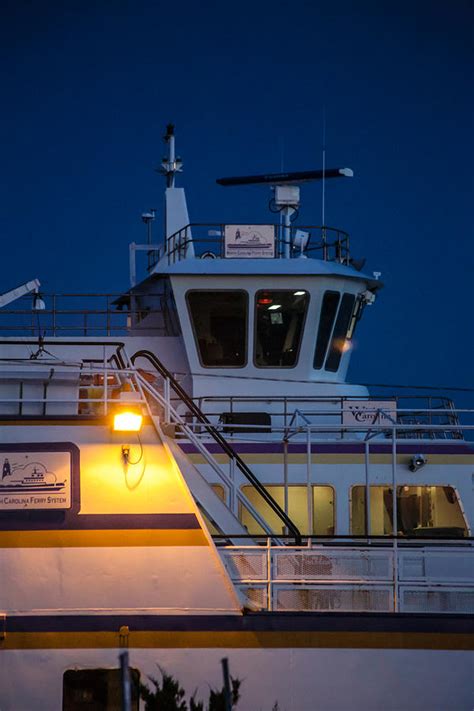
<point>88,87</point>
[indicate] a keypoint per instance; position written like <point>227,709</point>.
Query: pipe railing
<point>217,436</point>
<point>388,576</point>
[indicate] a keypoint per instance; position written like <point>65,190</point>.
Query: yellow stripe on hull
<point>238,640</point>
<point>102,539</point>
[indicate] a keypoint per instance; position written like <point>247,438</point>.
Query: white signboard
<point>369,412</point>
<point>35,480</point>
<point>246,241</point>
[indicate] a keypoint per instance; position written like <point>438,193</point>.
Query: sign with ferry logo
<point>35,480</point>
<point>369,412</point>
<point>249,241</point>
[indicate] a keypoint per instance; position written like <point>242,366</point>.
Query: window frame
<point>323,360</point>
<point>303,324</point>
<point>332,345</point>
<point>246,331</point>
<point>293,485</point>
<point>400,486</point>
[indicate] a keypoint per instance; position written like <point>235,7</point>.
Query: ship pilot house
<point>256,303</point>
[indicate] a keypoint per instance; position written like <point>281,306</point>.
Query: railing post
<point>108,315</point>
<point>106,385</point>
<point>367,490</point>
<point>395,521</point>
<point>167,399</point>
<point>285,480</point>
<point>54,315</point>
<point>309,493</point>
<point>233,498</point>
<point>269,576</point>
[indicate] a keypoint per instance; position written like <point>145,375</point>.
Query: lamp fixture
<point>128,421</point>
<point>417,461</point>
<point>38,302</point>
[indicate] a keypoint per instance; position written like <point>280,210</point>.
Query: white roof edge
<point>285,267</point>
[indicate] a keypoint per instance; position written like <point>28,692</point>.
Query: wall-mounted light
<point>416,462</point>
<point>38,302</point>
<point>128,421</point>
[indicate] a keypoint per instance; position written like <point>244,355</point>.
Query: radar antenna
<point>287,199</point>
<point>304,176</point>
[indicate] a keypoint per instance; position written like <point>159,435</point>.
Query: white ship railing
<point>394,577</point>
<point>290,412</point>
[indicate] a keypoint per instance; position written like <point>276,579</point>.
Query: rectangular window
<point>421,511</point>
<point>339,336</point>
<point>279,320</point>
<point>326,321</point>
<point>97,690</point>
<point>219,320</point>
<point>323,509</point>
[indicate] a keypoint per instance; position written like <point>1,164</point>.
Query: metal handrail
<point>100,315</point>
<point>393,578</point>
<point>332,244</point>
<point>218,437</point>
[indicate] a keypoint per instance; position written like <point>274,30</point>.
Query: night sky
<point>87,89</point>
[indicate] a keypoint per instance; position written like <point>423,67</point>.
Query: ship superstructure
<point>210,481</point>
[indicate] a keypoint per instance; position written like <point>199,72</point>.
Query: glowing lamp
<point>265,299</point>
<point>128,421</point>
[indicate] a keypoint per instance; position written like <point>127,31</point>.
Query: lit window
<point>323,509</point>
<point>279,319</point>
<point>421,511</point>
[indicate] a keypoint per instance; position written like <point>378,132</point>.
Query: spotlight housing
<point>417,461</point>
<point>128,421</point>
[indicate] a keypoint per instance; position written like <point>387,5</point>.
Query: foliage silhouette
<point>169,696</point>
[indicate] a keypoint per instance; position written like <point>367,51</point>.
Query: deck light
<point>416,462</point>
<point>128,421</point>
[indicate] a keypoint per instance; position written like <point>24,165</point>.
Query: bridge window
<point>339,336</point>
<point>219,320</point>
<point>421,511</point>
<point>279,319</point>
<point>322,509</point>
<point>326,322</point>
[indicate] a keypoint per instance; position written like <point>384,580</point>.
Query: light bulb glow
<point>127,422</point>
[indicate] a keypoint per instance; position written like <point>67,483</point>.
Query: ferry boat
<point>225,492</point>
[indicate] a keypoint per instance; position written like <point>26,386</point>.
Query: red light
<point>265,299</point>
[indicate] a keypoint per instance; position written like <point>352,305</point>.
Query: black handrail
<point>222,442</point>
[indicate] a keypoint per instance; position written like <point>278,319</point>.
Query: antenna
<point>170,165</point>
<point>304,176</point>
<point>148,218</point>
